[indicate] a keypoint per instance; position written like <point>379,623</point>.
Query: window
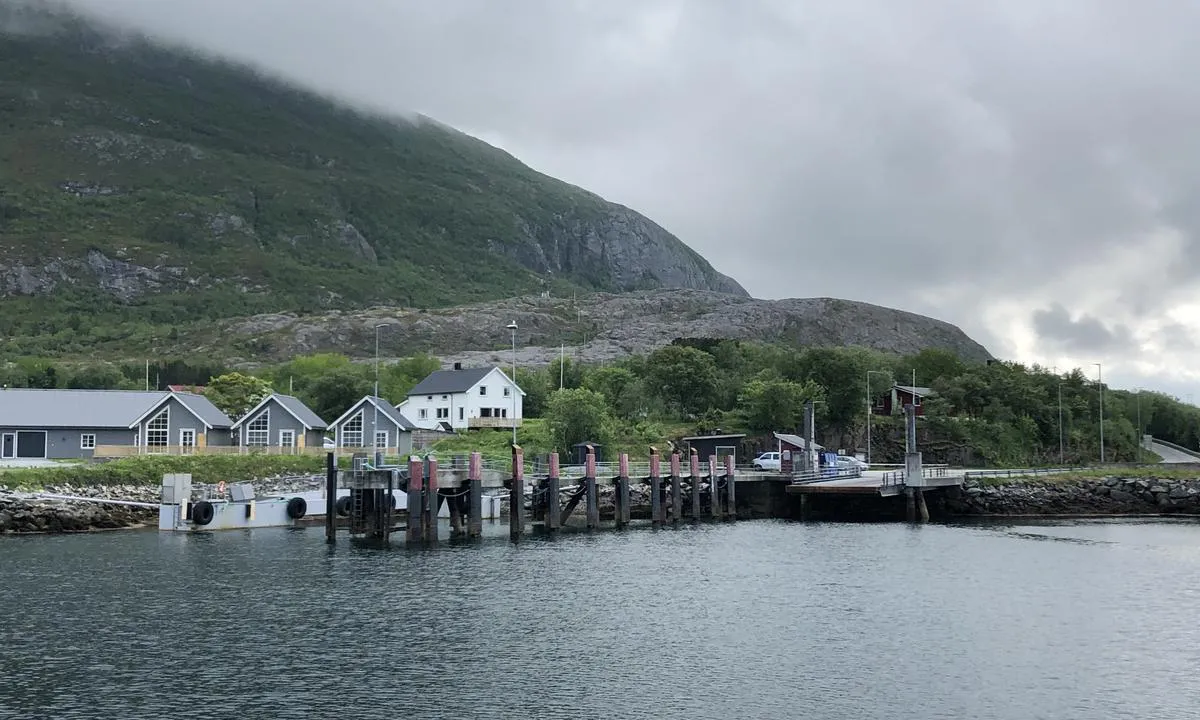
<point>258,431</point>
<point>428,397</point>
<point>423,414</point>
<point>287,438</point>
<point>87,441</point>
<point>460,413</point>
<point>352,431</point>
<point>445,397</point>
<point>482,390</point>
<point>485,412</point>
<point>506,391</point>
<point>443,413</point>
<point>158,429</point>
<point>502,412</point>
<point>187,437</point>
<point>381,439</point>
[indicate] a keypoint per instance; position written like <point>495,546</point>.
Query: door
<point>187,440</point>
<point>8,446</point>
<point>31,443</point>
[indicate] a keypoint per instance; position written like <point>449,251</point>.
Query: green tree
<point>536,385</point>
<point>236,393</point>
<point>577,415</point>
<point>770,403</point>
<point>620,388</point>
<point>684,377</point>
<point>334,392</point>
<point>96,377</point>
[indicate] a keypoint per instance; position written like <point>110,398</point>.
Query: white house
<point>464,398</point>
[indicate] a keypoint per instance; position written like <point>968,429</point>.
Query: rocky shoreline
<point>27,512</point>
<point>1112,495</point>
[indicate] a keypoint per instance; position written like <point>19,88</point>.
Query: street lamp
<point>1060,424</point>
<point>1100,382</point>
<point>375,402</point>
<point>869,373</point>
<point>513,419</point>
<point>1140,432</point>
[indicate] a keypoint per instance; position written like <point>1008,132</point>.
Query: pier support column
<point>714,490</point>
<point>475,496</point>
<point>910,505</point>
<point>676,489</point>
<point>804,507</point>
<point>656,498</point>
<point>553,509</point>
<point>592,497</point>
<point>330,498</point>
<point>730,489</point>
<point>516,495</point>
<point>416,500</point>
<point>922,508</point>
<point>621,496</point>
<point>433,501</point>
<point>694,467</point>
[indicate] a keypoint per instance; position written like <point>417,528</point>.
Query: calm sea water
<point>750,620</point>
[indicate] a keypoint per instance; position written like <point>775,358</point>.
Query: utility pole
<point>1060,426</point>
<point>375,403</point>
<point>1100,380</point>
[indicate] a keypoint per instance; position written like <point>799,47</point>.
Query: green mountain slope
<point>144,185</point>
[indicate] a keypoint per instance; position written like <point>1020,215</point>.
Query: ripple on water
<point>762,619</point>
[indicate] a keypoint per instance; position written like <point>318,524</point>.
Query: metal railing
<point>826,475</point>
<point>1018,472</point>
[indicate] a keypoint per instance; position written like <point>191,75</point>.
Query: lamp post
<point>869,373</point>
<point>1140,432</point>
<point>1100,382</point>
<point>375,402</point>
<point>1060,425</point>
<point>513,420</point>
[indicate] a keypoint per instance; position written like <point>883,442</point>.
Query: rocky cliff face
<point>597,328</point>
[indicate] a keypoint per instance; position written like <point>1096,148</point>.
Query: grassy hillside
<point>143,187</point>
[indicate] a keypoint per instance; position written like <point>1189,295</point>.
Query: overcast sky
<point>1028,170</point>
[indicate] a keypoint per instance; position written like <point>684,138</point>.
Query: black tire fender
<point>297,507</point>
<point>342,506</point>
<point>203,512</point>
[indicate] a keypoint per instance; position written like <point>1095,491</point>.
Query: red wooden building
<point>893,402</point>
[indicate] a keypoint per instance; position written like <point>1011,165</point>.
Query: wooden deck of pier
<point>886,484</point>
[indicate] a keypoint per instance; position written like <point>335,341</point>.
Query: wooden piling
<point>416,500</point>
<point>516,495</point>
<point>656,499</point>
<point>621,496</point>
<point>433,501</point>
<point>475,496</point>
<point>694,468</point>
<point>553,508</point>
<point>330,498</point>
<point>730,489</point>
<point>593,499</point>
<point>676,488</point>
<point>714,490</point>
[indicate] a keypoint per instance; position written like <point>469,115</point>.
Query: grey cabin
<point>71,424</point>
<point>374,422</point>
<point>280,421</point>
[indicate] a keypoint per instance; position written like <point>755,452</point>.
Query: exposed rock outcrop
<point>598,328</point>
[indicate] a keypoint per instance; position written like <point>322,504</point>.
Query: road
<point>1171,455</point>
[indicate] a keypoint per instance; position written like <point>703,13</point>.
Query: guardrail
<point>1019,472</point>
<point>1173,446</point>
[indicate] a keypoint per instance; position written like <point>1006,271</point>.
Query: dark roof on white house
<point>298,409</point>
<point>385,408</point>
<point>37,408</point>
<point>444,382</point>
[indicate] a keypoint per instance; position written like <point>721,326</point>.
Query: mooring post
<point>516,495</point>
<point>475,495</point>
<point>676,488</point>
<point>553,508</point>
<point>330,498</point>
<point>621,496</point>
<point>415,492</point>
<point>730,483</point>
<point>713,490</point>
<point>433,500</point>
<point>656,500</point>
<point>593,499</point>
<point>694,467</point>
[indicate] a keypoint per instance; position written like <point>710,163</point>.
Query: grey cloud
<point>867,149</point>
<point>1085,335</point>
